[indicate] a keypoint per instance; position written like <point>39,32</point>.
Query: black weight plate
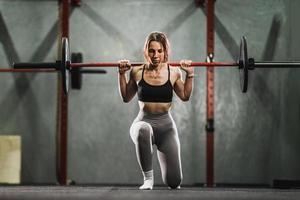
<point>243,65</point>
<point>76,75</point>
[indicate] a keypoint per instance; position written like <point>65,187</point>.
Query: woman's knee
<point>141,132</point>
<point>174,182</point>
<point>144,133</point>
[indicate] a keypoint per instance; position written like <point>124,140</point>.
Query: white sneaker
<point>148,185</point>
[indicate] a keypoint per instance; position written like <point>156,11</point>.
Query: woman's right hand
<point>124,65</point>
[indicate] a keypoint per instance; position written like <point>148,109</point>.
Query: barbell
<point>244,64</point>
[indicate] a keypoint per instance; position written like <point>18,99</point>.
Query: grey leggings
<point>159,129</point>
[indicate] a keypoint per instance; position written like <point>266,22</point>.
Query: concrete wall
<point>28,101</point>
<point>257,134</point>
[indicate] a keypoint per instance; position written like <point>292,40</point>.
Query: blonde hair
<point>161,38</point>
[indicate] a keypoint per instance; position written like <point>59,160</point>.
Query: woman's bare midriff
<point>155,108</point>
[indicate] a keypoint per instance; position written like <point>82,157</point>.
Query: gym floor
<point>132,193</point>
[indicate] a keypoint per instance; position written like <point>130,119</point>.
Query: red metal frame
<point>62,107</point>
<point>210,97</point>
<point>76,2</point>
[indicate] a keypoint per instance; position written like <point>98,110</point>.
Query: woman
<point>154,83</point>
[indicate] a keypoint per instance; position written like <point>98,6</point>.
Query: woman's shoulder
<point>174,69</point>
<point>137,71</point>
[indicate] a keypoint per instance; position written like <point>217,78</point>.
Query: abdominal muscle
<point>155,108</point>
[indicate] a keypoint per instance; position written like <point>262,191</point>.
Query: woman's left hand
<point>185,65</point>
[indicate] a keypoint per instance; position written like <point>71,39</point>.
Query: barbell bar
<point>10,70</point>
<point>134,64</point>
<point>276,64</point>
<point>244,64</point>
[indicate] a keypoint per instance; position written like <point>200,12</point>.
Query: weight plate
<point>65,62</point>
<point>243,65</point>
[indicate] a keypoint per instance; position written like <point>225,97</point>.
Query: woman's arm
<point>127,89</point>
<point>183,89</point>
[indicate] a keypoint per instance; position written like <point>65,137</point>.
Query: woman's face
<point>156,53</point>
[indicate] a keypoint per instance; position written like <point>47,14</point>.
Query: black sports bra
<point>155,93</point>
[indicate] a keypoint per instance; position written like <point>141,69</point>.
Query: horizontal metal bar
<point>90,71</point>
<point>277,64</point>
<point>45,65</point>
<point>27,70</point>
<point>175,64</point>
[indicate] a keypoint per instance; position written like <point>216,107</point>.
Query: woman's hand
<point>124,65</point>
<point>185,65</point>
